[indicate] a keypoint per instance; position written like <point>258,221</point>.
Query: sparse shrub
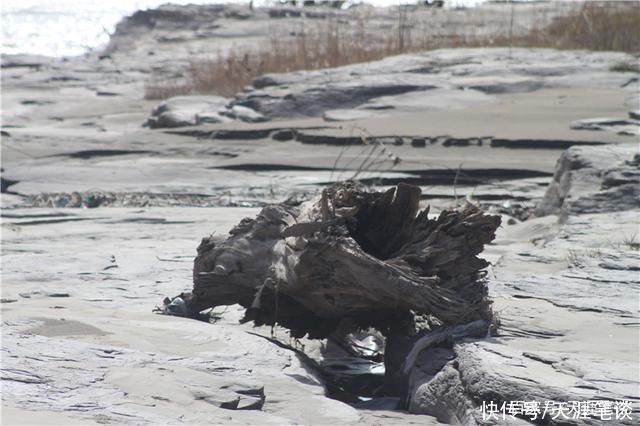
<point>578,258</point>
<point>632,242</point>
<point>594,26</point>
<point>626,66</point>
<point>163,89</point>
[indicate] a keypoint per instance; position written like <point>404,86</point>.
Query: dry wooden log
<point>367,256</point>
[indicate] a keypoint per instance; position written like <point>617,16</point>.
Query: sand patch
<point>18,416</point>
<point>63,327</point>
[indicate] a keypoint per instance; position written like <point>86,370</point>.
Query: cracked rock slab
<point>593,179</point>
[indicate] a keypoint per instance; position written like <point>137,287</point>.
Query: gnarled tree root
<point>369,257</point>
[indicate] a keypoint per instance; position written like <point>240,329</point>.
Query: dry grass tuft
<point>632,242</point>
<point>594,26</point>
<point>626,66</point>
<point>325,46</point>
<point>163,89</point>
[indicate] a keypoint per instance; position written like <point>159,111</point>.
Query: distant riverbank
<point>72,27</point>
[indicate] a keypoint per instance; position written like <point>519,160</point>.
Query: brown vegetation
<point>626,66</point>
<point>593,26</point>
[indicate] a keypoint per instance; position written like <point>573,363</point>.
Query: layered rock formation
<point>594,180</point>
<point>100,216</point>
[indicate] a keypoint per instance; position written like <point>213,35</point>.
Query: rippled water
<point>71,27</point>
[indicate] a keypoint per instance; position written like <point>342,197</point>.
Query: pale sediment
<point>101,219</point>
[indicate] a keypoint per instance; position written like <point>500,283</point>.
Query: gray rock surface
<point>446,79</point>
<point>566,296</point>
<point>183,111</point>
<point>101,217</point>
<point>589,299</point>
<point>594,179</point>
<point>168,39</point>
<point>101,355</point>
<point>493,371</point>
<point>245,114</point>
<point>621,126</point>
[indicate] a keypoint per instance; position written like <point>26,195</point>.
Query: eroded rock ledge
<point>594,180</point>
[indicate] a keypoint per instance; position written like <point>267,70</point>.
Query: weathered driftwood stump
<point>369,257</point>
